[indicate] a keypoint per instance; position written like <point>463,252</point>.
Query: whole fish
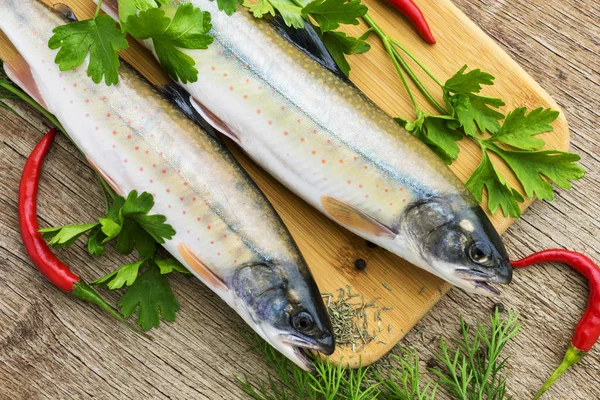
<point>228,235</point>
<point>275,91</point>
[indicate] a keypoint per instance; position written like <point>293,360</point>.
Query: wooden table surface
<point>52,347</point>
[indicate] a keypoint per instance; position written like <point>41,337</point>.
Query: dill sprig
<point>472,370</point>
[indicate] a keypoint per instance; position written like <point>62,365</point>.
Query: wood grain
<point>52,347</point>
<point>413,291</point>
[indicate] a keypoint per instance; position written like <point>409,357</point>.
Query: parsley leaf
<point>100,37</point>
<point>228,6</point>
<point>329,14</point>
<point>126,275</point>
<point>128,8</point>
<point>500,193</point>
<point>168,265</point>
<point>519,129</point>
<point>437,132</point>
<point>152,294</point>
<point>95,243</point>
<point>187,30</point>
<point>531,167</point>
<point>472,111</point>
<point>339,44</point>
<point>65,236</point>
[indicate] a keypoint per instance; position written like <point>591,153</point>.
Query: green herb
<point>472,369</point>
<point>326,15</point>
<point>100,38</point>
<point>152,294</point>
<point>187,30</point>
<point>513,138</point>
<point>475,369</point>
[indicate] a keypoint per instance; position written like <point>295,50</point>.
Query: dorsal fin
<point>309,42</point>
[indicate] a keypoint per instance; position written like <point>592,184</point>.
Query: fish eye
<point>480,252</point>
<point>302,321</point>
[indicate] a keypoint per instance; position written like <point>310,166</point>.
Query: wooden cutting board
<point>330,250</point>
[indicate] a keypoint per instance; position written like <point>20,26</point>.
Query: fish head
<point>452,237</point>
<point>285,307</point>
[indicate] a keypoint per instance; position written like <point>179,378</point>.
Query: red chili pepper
<point>587,331</point>
<point>415,16</point>
<point>49,265</point>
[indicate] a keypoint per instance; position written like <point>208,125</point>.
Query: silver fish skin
<point>228,235</point>
<point>326,141</point>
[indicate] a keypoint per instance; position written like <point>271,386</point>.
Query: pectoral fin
<point>17,69</point>
<point>213,120</point>
<point>353,218</point>
<point>202,270</point>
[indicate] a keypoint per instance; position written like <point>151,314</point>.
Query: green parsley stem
<point>98,8</point>
<point>417,61</point>
<point>388,47</point>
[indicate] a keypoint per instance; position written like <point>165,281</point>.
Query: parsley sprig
<point>171,28</point>
<point>326,16</point>
<point>513,138</point>
<point>128,222</point>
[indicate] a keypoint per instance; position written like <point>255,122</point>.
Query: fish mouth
<point>480,281</point>
<point>301,348</point>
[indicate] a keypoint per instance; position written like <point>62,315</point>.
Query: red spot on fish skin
<point>160,154</point>
<point>349,181</point>
<point>260,88</point>
<point>168,190</point>
<point>114,146</point>
<point>71,102</point>
<point>366,167</point>
<point>302,139</point>
<point>169,206</point>
<point>185,183</point>
<point>154,165</point>
<point>178,171</point>
<point>125,161</point>
<point>208,227</point>
<point>141,169</point>
<point>401,189</point>
<point>97,128</point>
<point>74,85</point>
<point>207,203</point>
<point>386,190</point>
<point>328,141</point>
<point>234,261</point>
<point>299,121</point>
<point>247,80</point>
<point>198,219</point>
<point>313,152</point>
<point>391,204</point>
<point>220,52</point>
<point>225,235</point>
<point>341,161</point>
<point>245,96</point>
<point>231,88</point>
<point>404,200</point>
<point>283,107</point>
<point>213,67</point>
<point>194,198</point>
<point>258,111</point>
<point>270,122</point>
<point>314,131</point>
<point>137,148</point>
<point>323,161</point>
<point>164,171</point>
<point>225,74</point>
<point>87,100</point>
<point>114,132</point>
<point>211,242</point>
<point>286,133</point>
<point>218,254</point>
<point>104,98</point>
<point>128,136</point>
<point>87,115</point>
<point>355,158</point>
<point>108,115</point>
<point>185,212</point>
<point>151,181</point>
<point>360,185</point>
<point>366,196</point>
<point>181,198</point>
<point>146,152</point>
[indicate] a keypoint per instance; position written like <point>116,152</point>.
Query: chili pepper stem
<point>572,357</point>
<point>83,291</point>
